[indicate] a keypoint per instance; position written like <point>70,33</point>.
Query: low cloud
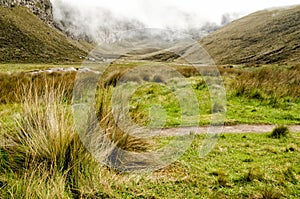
<point>99,24</point>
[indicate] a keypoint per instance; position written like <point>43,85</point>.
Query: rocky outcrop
<point>41,8</point>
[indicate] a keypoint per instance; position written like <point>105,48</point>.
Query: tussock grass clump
<point>269,84</point>
<point>279,132</point>
<point>270,193</point>
<point>122,137</point>
<point>109,122</point>
<point>43,148</point>
<point>254,174</point>
<point>43,133</point>
<point>42,155</point>
<point>222,179</point>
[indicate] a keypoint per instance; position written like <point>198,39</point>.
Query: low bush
<point>279,132</point>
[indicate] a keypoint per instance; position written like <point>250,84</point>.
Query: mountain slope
<point>24,38</point>
<point>40,8</point>
<point>268,36</point>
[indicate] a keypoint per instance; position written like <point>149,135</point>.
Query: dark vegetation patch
<point>280,132</point>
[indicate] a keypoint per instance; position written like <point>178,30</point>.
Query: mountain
<point>41,8</point>
<point>264,37</point>
<point>26,38</point>
<point>27,35</point>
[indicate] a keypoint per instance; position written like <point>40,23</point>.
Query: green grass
<point>240,166</point>
<point>264,95</point>
<point>252,111</point>
<point>42,157</point>
<point>240,110</point>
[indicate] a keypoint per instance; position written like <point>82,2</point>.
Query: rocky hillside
<point>24,38</point>
<point>268,36</point>
<point>41,8</point>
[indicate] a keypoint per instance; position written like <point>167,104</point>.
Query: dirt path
<point>242,128</point>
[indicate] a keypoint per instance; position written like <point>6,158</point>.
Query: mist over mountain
<point>28,35</point>
<point>91,24</point>
<point>98,24</point>
<point>269,36</point>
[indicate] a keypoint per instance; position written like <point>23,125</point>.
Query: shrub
<point>279,132</point>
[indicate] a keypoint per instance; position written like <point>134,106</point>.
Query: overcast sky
<point>157,13</point>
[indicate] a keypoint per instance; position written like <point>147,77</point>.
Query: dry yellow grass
<point>274,84</point>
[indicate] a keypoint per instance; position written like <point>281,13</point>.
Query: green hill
<point>24,38</point>
<point>265,37</point>
<point>268,36</point>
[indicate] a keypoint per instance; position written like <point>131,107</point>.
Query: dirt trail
<point>242,128</point>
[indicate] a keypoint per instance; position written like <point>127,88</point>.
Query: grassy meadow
<point>42,156</point>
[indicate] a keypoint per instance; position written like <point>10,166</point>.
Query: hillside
<point>268,36</point>
<point>41,8</point>
<point>265,37</point>
<point>25,38</point>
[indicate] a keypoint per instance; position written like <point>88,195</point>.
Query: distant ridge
<point>264,37</point>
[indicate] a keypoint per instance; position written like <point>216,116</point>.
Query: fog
<point>99,20</point>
